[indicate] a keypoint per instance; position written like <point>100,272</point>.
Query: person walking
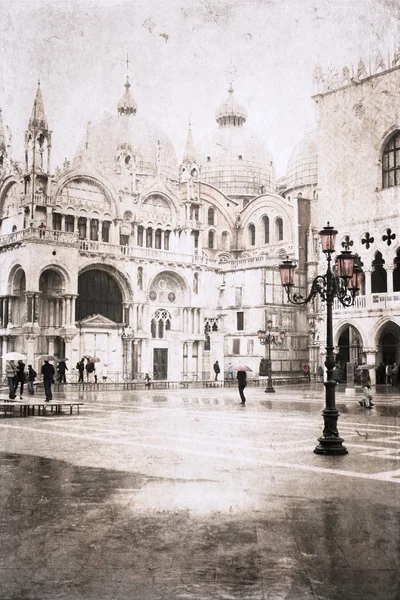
<point>81,369</point>
<point>90,369</point>
<point>31,378</point>
<point>306,371</point>
<point>388,374</point>
<point>242,382</point>
<point>366,385</point>
<point>320,373</point>
<point>395,374</point>
<point>217,370</point>
<point>62,368</point>
<point>48,379</point>
<point>20,378</point>
<point>11,372</point>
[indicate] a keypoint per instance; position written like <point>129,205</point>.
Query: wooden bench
<point>28,408</point>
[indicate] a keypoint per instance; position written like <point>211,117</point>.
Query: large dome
<point>124,135</point>
<point>234,159</point>
<point>302,166</point>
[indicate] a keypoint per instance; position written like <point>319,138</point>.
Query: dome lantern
<point>127,105</point>
<point>231,113</point>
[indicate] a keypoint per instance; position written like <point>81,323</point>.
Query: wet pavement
<point>187,495</point>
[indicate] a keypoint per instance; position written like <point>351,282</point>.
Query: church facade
<point>163,267</point>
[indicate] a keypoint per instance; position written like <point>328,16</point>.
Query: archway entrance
<point>349,351</point>
<point>98,294</point>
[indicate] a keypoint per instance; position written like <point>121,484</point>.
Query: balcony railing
<point>43,235</point>
<point>39,200</point>
<point>378,301</point>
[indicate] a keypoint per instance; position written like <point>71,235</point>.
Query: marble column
<point>389,277</point>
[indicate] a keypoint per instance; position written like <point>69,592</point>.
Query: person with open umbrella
<point>81,369</point>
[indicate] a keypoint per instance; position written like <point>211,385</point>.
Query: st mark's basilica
<point>160,265</point>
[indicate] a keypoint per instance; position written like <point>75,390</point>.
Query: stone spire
<point>38,118</point>
<point>127,105</point>
<point>189,155</point>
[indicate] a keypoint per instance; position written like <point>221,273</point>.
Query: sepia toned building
<point>148,264</point>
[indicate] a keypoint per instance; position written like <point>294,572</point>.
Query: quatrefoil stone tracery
<point>389,237</point>
<point>368,240</point>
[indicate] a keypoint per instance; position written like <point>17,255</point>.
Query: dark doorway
<point>100,294</point>
<point>389,348</point>
<point>160,363</point>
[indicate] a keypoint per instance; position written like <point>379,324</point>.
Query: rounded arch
<point>160,202</point>
<point>224,257</point>
<point>251,230</point>
<point>124,283</point>
<point>60,271</point>
<point>9,182</point>
<point>278,226</point>
<point>349,342</point>
<point>168,287</point>
<point>226,241</point>
<point>99,293</point>
<point>387,170</point>
<point>90,180</point>
<point>387,338</point>
<point>15,277</point>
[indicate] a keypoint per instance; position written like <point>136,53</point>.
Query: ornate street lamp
<point>341,282</point>
<point>266,339</point>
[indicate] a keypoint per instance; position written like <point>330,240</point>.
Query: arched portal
<point>389,344</point>
<point>98,293</point>
<point>350,348</point>
<point>51,286</point>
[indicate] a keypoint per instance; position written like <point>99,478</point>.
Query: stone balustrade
<point>372,301</point>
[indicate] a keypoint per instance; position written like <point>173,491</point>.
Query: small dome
<point>302,166</point>
<point>231,112</point>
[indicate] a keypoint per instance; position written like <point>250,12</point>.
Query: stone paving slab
<point>194,497</point>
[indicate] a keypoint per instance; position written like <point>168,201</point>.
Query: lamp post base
<point>269,390</point>
<point>330,446</point>
<point>330,443</point>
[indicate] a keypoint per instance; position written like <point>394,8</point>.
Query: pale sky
<point>180,52</point>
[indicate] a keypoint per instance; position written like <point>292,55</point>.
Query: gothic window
<point>149,237</point>
<point>391,162</point>
<point>69,223</point>
<point>211,239</point>
<point>105,231</point>
<point>194,212</point>
<point>160,323</point>
<point>279,229</point>
<point>82,224</point>
<point>211,216</point>
<point>57,221</point>
<point>123,240</point>
<point>252,235</point>
<point>140,236</point>
<point>195,239</point>
<point>266,229</point>
<point>94,229</point>
<point>378,275</point>
<point>157,239</point>
<point>167,235</point>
